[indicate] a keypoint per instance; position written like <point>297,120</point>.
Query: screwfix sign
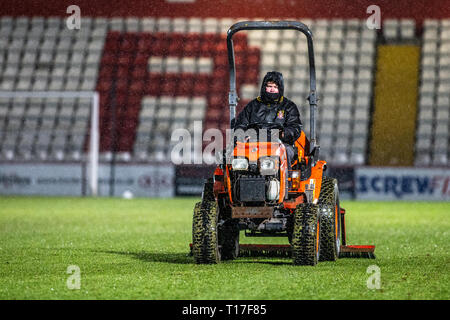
<point>403,184</point>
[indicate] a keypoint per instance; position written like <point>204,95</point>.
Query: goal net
<point>49,126</point>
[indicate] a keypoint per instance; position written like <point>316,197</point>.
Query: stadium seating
<point>399,30</point>
<point>158,74</point>
<point>284,51</point>
<point>432,138</point>
<point>137,64</point>
<point>155,80</point>
<point>344,63</point>
<point>41,54</point>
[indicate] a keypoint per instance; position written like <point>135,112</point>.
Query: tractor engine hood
<point>255,150</point>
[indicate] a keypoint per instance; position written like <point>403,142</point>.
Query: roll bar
<point>273,25</point>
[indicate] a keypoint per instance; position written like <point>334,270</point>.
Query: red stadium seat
<point>132,111</point>
<point>139,72</point>
<point>185,85</point>
<point>218,102</point>
<point>220,73</point>
<point>106,72</point>
<point>176,45</point>
<point>240,59</point>
<point>251,75</point>
<point>218,86</point>
<point>104,86</point>
<point>221,60</point>
<point>207,48</point>
<point>214,114</point>
<point>221,48</point>
<point>141,60</point>
<point>211,124</point>
<point>240,39</point>
<point>154,77</point>
<point>122,85</point>
<point>129,123</point>
<point>169,80</point>
<point>201,85</point>
<point>144,43</point>
<point>109,59</point>
<point>135,101</point>
<point>160,45</point>
<point>224,126</point>
<point>153,85</point>
<point>114,35</point>
<point>192,45</point>
<point>211,38</point>
<point>193,37</point>
<point>239,48</point>
<point>125,143</point>
<point>112,42</point>
<point>128,44</point>
<point>121,100</point>
<point>104,112</point>
<point>125,59</point>
<point>123,72</point>
<point>137,88</point>
<point>253,58</point>
<point>120,112</point>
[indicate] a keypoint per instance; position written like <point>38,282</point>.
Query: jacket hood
<point>276,77</point>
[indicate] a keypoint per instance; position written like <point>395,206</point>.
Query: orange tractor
<point>253,189</point>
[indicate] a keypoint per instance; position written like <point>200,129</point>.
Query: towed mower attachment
<point>284,250</point>
<point>355,251</point>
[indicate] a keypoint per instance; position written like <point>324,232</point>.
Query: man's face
<point>271,87</point>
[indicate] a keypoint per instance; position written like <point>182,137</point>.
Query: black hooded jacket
<point>269,108</point>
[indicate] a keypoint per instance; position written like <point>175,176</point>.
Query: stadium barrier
<point>70,179</point>
<point>166,180</point>
<point>189,179</point>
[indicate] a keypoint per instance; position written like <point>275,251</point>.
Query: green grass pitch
<point>137,249</point>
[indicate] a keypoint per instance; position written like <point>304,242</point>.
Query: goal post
<point>94,144</point>
<point>94,137</point>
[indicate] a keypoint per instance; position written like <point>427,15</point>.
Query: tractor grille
<point>252,189</point>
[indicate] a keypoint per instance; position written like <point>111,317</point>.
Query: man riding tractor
<point>274,187</point>
<point>273,108</point>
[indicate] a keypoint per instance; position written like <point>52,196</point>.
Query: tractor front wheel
<point>329,218</point>
<point>205,247</point>
<point>305,237</point>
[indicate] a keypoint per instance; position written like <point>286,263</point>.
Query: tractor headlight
<point>239,164</point>
<point>268,166</point>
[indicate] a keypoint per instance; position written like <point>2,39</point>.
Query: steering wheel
<point>269,126</point>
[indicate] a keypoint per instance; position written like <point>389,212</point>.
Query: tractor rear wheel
<point>329,219</point>
<point>305,237</point>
